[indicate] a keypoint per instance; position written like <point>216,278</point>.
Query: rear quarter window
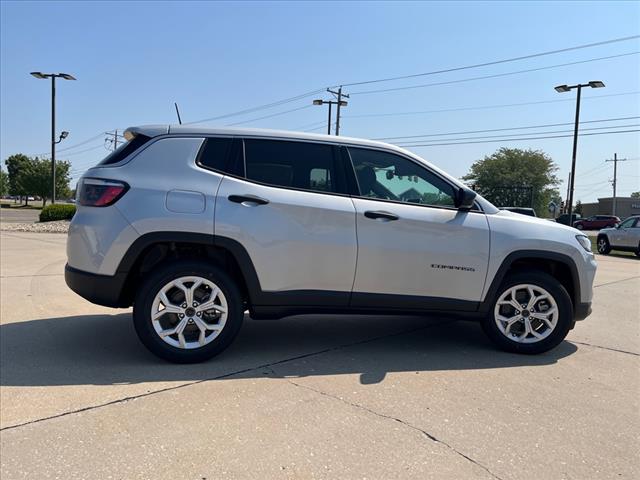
<point>124,150</point>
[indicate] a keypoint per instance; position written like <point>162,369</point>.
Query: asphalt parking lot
<point>310,397</point>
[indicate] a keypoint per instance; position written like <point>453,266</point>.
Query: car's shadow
<point>104,350</point>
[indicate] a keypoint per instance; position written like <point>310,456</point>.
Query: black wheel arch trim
<point>510,259</point>
<point>301,299</point>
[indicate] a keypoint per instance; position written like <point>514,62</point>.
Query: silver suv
<point>194,226</point>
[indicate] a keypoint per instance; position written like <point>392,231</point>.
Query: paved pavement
<point>19,215</point>
<point>309,397</point>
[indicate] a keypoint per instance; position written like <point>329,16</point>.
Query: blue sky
<point>134,59</point>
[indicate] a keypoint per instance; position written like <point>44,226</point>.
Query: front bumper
<point>103,290</point>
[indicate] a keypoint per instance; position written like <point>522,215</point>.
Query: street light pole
<point>568,88</point>
<point>53,140</point>
<point>573,156</point>
<point>53,76</point>
<point>341,103</point>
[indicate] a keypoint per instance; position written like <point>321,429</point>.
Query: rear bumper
<point>103,290</point>
<point>582,311</point>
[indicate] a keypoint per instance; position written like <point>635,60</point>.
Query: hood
<point>535,221</point>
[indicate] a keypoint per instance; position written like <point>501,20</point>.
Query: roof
<point>155,130</point>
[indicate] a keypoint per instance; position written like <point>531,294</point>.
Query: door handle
<point>248,199</point>
<point>380,215</point>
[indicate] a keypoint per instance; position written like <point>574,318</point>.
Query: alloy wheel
<point>526,313</point>
<point>189,312</point>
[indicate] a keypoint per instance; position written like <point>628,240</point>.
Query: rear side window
<point>124,150</point>
<point>214,153</point>
<point>308,166</point>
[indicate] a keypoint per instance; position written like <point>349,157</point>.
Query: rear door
<point>289,209</point>
<point>415,249</point>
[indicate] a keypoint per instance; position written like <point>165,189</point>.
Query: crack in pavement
<point>38,275</point>
<point>606,348</point>
<point>431,437</point>
<point>4,232</point>
<point>616,281</point>
<point>227,375</point>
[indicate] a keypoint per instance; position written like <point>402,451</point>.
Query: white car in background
<point>624,237</point>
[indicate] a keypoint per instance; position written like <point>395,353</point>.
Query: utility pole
<point>566,202</point>
<point>114,140</point>
<point>341,103</point>
<point>615,161</point>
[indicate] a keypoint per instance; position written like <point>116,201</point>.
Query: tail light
<point>96,192</point>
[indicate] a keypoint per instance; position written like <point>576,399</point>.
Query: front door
<point>415,249</point>
<point>626,235</point>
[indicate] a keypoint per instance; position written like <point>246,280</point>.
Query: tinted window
<point>309,166</point>
<point>215,153</point>
<point>391,177</point>
<point>125,150</point>
<point>628,223</point>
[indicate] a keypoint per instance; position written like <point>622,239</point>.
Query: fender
<point>510,259</point>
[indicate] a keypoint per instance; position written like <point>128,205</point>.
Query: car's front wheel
<point>603,245</point>
<point>187,311</point>
<point>580,226</point>
<point>532,313</point>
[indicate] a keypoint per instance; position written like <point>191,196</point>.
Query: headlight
<point>584,241</point>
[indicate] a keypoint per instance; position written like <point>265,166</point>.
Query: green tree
<point>17,166</point>
<point>32,176</point>
<point>522,178</point>
<point>635,194</point>
<point>4,183</point>
<point>38,178</point>
<point>578,207</point>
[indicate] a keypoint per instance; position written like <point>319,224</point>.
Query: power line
<point>268,116</point>
<point>260,107</point>
<point>487,107</point>
<point>519,139</point>
<point>495,62</point>
<point>496,75</point>
<point>506,129</point>
<point>525,134</point>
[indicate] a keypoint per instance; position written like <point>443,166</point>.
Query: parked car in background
<point>625,237</point>
<point>522,210</point>
<point>596,222</point>
<point>564,218</point>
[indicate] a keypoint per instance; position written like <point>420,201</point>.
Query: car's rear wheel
<point>187,311</point>
<point>532,313</point>
<point>637,252</point>
<point>603,245</point>
<point>580,226</point>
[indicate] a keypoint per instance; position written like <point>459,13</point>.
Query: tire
<point>551,332</point>
<point>603,245</point>
<point>579,226</point>
<point>204,334</point>
<point>637,252</point>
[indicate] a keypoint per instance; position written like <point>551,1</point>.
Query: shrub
<point>57,211</point>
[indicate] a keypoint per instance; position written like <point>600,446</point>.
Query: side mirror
<point>465,198</point>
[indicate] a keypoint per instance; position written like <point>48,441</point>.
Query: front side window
<point>390,177</point>
<point>308,166</point>
<point>628,223</point>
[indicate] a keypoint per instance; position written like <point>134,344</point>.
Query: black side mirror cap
<point>465,198</point>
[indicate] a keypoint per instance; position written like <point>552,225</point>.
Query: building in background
<point>625,206</point>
